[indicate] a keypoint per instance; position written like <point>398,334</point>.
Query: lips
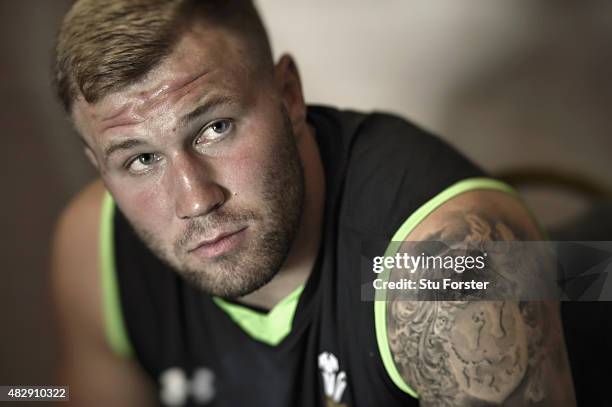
<point>220,244</point>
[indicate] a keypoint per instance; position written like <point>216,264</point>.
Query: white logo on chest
<point>175,387</point>
<point>334,382</point>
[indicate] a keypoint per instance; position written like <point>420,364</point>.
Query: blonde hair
<point>105,45</point>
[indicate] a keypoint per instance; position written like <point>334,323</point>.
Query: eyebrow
<point>122,145</point>
<point>209,103</point>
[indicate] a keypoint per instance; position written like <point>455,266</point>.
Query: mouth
<point>220,244</point>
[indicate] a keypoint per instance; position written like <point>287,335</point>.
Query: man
<point>220,268</point>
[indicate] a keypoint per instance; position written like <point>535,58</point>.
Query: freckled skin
<point>249,177</point>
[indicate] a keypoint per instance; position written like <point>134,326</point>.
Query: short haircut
<point>106,45</point>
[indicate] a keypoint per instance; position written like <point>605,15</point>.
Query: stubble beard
<point>275,224</point>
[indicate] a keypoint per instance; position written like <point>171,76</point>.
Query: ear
<point>288,81</point>
<point>91,156</point>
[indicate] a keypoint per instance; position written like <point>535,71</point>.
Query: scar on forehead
<point>116,114</point>
<point>173,86</point>
<point>125,115</point>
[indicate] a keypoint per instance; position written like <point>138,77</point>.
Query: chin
<point>228,282</point>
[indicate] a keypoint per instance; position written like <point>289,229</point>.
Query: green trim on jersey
<point>270,328</point>
<point>116,334</point>
<point>380,304</point>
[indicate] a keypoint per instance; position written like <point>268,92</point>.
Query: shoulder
<point>75,265</point>
<point>470,352</point>
<point>84,343</point>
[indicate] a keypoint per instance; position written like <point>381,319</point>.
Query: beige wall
<point>510,83</point>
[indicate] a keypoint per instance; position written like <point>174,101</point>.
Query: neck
<point>303,252</point>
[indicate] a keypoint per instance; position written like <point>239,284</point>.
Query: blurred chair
<point>587,325</point>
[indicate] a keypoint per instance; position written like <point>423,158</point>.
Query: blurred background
<point>519,86</point>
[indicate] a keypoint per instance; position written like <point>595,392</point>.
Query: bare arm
<point>481,353</point>
<point>96,375</point>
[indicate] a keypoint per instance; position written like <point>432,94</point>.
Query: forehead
<point>203,60</point>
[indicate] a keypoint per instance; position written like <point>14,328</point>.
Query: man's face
<point>200,156</point>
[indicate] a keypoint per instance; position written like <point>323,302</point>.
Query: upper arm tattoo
<point>480,353</point>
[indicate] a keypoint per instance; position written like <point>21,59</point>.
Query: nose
<point>195,191</point>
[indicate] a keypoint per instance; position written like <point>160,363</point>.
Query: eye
<point>215,131</point>
<point>143,162</point>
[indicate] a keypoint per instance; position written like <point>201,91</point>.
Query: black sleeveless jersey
<point>319,347</point>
